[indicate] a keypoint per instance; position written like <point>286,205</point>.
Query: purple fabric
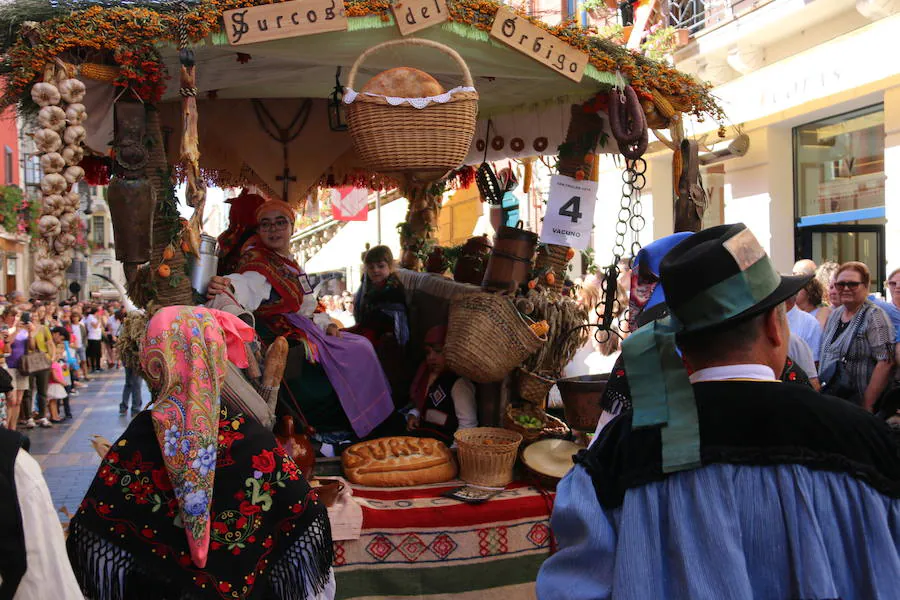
<point>353,369</point>
<point>18,349</point>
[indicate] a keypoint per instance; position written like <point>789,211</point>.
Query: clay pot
<point>329,490</point>
<point>297,445</point>
<point>436,262</point>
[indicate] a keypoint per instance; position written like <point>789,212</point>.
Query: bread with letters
<point>398,461</point>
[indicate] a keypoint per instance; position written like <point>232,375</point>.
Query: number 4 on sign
<point>572,209</point>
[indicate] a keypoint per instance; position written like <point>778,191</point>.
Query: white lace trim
<point>350,95</point>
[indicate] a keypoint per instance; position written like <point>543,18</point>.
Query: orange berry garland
<point>132,35</point>
<point>164,271</point>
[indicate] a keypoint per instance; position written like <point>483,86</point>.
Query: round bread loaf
<point>398,461</point>
<point>404,82</point>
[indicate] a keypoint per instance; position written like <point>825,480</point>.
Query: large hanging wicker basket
<point>487,337</point>
<point>394,138</point>
<point>487,455</point>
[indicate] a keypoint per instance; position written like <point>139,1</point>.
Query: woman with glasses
<point>856,357</point>
<point>893,284</point>
<point>335,381</point>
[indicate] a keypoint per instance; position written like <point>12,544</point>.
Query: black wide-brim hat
<point>721,276</point>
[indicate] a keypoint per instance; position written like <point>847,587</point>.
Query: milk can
<point>204,268</point>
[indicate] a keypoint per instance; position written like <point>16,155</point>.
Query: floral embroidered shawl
<point>192,466</point>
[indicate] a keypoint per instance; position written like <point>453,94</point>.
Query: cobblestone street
<point>65,452</point>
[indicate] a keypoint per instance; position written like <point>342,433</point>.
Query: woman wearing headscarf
<point>338,385</point>
<point>196,500</point>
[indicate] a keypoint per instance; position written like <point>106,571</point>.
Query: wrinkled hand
<point>217,285</point>
<point>412,422</point>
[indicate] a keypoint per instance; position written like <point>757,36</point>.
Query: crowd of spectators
<point>78,338</point>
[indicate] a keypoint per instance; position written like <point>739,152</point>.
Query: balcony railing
<point>700,15</point>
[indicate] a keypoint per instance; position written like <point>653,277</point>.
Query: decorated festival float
<point>418,96</point>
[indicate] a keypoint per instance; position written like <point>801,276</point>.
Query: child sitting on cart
<point>442,400</point>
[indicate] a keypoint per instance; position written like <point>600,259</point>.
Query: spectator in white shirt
<point>94,337</point>
<point>47,572</point>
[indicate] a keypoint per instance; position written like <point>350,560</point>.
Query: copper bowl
<point>581,399</point>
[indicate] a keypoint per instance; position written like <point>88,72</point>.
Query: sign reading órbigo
<point>515,31</point>
<point>283,20</point>
<point>413,15</point>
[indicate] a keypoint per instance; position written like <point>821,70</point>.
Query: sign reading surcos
<point>518,33</point>
<point>284,20</point>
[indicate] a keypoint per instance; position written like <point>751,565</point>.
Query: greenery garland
<point>130,35</point>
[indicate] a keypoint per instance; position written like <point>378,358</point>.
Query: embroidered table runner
<point>417,544</point>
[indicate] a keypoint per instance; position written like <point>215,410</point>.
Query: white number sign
<point>570,212</point>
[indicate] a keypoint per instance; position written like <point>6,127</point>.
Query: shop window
<point>11,265</point>
<point>98,230</point>
<point>839,169</point>
<point>33,170</point>
<point>9,165</point>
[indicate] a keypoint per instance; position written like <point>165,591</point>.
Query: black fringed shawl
<point>270,537</point>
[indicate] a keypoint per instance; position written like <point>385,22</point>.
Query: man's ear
<point>775,333</point>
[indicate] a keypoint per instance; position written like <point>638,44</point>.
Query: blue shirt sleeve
<point>582,568</point>
<point>893,314</point>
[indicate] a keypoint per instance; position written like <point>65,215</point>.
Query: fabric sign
<point>350,203</point>
<point>570,212</point>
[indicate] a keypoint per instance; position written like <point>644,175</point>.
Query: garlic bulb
<point>43,289</point>
<point>76,114</point>
<point>49,226</point>
<point>52,117</point>
<point>73,201</point>
<point>54,205</point>
<point>54,183</point>
<point>47,140</point>
<point>68,221</point>
<point>58,280</point>
<point>53,163</point>
<point>72,91</point>
<point>74,135</point>
<point>45,94</point>
<point>73,174</point>
<point>73,155</point>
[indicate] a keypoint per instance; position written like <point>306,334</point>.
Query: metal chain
<point>630,220</point>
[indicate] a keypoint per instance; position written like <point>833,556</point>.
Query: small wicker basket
<point>487,455</point>
<point>553,427</point>
<point>402,138</point>
<point>534,388</point>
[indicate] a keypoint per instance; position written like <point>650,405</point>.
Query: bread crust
<point>404,82</point>
<point>398,461</point>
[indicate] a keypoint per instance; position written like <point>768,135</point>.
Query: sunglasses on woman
<point>847,285</point>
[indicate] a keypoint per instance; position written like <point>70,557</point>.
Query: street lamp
<point>336,120</point>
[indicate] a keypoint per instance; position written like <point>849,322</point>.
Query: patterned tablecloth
<point>417,544</point>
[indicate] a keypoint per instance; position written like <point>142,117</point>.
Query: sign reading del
<point>413,15</point>
<point>570,212</point>
<point>517,32</point>
<point>283,20</point>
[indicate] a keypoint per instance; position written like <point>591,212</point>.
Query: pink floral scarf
<point>183,357</point>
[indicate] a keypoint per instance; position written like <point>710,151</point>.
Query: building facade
<point>814,87</point>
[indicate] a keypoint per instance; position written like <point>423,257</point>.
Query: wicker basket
<point>487,337</point>
<point>534,388</point>
<point>553,258</point>
<point>391,139</point>
<point>553,427</point>
<point>487,455</point>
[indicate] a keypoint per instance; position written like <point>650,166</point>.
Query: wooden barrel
<point>511,258</point>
